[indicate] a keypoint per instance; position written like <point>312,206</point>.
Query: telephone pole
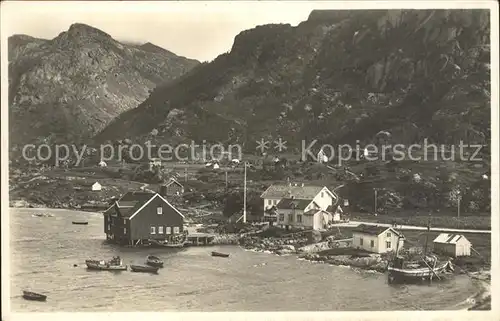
<point>245,194</point>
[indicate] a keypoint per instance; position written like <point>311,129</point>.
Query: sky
<point>192,29</point>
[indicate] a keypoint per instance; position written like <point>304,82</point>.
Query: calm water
<point>44,250</point>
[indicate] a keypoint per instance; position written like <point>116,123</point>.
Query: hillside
<point>71,87</point>
<point>338,77</point>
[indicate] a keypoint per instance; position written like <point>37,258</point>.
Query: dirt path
<point>415,228</point>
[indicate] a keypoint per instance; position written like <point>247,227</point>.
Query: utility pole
<point>375,200</point>
<point>226,179</point>
<point>428,231</point>
<point>185,174</point>
<point>458,204</point>
<point>245,194</point>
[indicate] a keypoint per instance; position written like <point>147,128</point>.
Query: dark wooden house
<point>138,217</point>
<point>172,187</point>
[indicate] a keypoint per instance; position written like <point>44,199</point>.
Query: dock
<point>200,238</point>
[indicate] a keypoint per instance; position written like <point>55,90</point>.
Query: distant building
<point>172,187</point>
<point>322,158</point>
<point>337,213</point>
<point>154,162</point>
<point>300,205</point>
<point>141,216</point>
<point>376,239</point>
<point>452,244</point>
<point>96,186</point>
<point>102,164</point>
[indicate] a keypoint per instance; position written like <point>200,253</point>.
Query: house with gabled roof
<point>172,187</point>
<point>452,244</point>
<point>138,217</point>
<point>293,201</point>
<point>377,239</point>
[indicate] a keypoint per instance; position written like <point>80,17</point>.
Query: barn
<point>452,244</point>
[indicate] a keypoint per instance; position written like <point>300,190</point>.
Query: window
<point>153,230</point>
<point>109,227</point>
<point>124,221</point>
<point>388,244</point>
<point>159,210</point>
<point>388,234</point>
<point>361,241</point>
<point>176,229</point>
<point>372,243</point>
<point>299,218</point>
<point>322,194</point>
<point>160,229</point>
<point>269,202</point>
<point>167,230</point>
<point>282,217</point>
<point>124,230</point>
<point>290,217</point>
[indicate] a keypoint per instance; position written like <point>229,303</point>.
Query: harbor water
<point>44,251</point>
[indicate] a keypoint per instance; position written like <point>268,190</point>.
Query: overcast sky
<point>194,29</point>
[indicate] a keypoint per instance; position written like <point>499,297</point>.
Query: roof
<point>292,203</point>
<point>173,181</point>
<point>449,238</point>
<point>374,229</point>
<point>133,202</point>
<point>313,211</point>
<point>298,192</point>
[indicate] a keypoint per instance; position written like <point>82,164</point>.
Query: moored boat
<point>398,273</point>
<point>114,264</point>
<point>219,254</point>
<point>155,261</point>
<point>144,268</point>
<point>32,296</point>
<point>80,223</point>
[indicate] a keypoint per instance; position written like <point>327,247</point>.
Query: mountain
<point>338,77</point>
<point>69,88</point>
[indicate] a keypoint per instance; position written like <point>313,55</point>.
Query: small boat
<point>155,261</point>
<point>32,296</point>
<point>114,264</point>
<point>172,245</point>
<point>219,254</point>
<point>397,273</point>
<point>80,223</point>
<point>143,268</point>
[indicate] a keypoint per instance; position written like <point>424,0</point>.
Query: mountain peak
<point>83,30</point>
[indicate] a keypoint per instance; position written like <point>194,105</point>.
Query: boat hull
<point>220,254</point>
<point>399,275</point>
<point>31,296</point>
<point>144,269</point>
<point>80,223</point>
<point>95,265</point>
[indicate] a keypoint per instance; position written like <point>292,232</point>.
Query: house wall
<point>367,242</point>
<point>323,199</point>
<point>462,248</point>
<point>320,220</point>
<point>393,239</point>
<point>140,225</point>
<point>379,242</point>
<point>174,189</point>
<point>284,213</point>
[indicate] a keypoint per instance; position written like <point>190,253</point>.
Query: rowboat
<point>219,254</point>
<point>143,268</point>
<point>155,261</point>
<point>80,223</point>
<point>167,244</point>
<point>32,296</point>
<point>114,264</point>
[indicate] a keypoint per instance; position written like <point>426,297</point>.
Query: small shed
<point>96,186</point>
<point>452,244</point>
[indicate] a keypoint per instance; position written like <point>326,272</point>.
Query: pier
<point>200,238</point>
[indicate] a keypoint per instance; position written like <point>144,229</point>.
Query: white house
<point>154,162</point>
<point>96,186</point>
<point>299,205</point>
<point>452,244</point>
<point>376,239</point>
<point>319,194</point>
<point>322,158</point>
<point>102,164</point>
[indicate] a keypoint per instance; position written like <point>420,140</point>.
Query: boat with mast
<point>426,268</point>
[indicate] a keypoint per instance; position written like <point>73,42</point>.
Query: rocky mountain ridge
<point>70,87</point>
